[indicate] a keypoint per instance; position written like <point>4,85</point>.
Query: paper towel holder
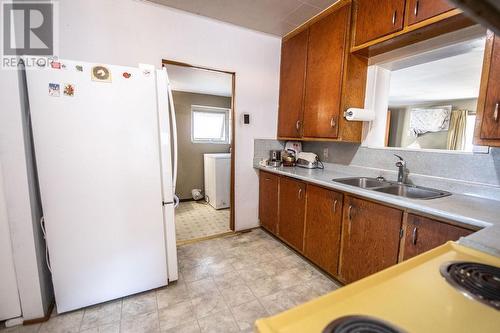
<point>350,112</point>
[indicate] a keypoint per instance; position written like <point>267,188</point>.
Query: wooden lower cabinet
<point>423,234</point>
<point>323,226</point>
<point>268,201</point>
<point>370,238</point>
<point>292,204</point>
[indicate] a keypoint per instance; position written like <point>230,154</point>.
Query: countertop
<point>463,209</point>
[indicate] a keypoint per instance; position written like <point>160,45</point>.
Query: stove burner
<point>360,324</point>
<point>479,281</point>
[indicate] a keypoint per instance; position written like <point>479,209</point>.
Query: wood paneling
<point>370,238</point>
<point>292,195</point>
<point>292,80</point>
<point>325,60</point>
<point>423,234</point>
<point>323,225</point>
<point>268,201</point>
<point>419,10</point>
<point>490,127</point>
<point>375,19</point>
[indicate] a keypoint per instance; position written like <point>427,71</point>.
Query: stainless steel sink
<point>402,190</point>
<point>412,191</point>
<point>363,182</point>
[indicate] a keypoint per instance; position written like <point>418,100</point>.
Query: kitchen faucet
<point>402,174</point>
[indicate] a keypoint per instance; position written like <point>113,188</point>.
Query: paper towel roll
<point>355,114</point>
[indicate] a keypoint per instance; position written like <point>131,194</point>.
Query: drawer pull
<point>495,113</point>
<point>394,16</point>
<point>416,8</point>
<point>414,236</point>
<point>349,218</point>
<point>297,125</point>
<point>333,123</point>
<point>300,193</point>
<point>335,206</point>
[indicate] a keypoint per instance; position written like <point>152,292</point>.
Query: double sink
<point>399,189</point>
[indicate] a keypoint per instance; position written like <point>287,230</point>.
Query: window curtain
<point>456,131</point>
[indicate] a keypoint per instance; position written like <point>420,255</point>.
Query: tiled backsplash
<point>477,174</point>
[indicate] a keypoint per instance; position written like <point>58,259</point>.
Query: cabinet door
<point>323,225</point>
<point>376,19</point>
<point>490,127</point>
<point>292,79</point>
<point>423,234</point>
<point>292,201</point>
<point>419,10</point>
<point>325,58</point>
<point>268,201</point>
<point>370,238</point>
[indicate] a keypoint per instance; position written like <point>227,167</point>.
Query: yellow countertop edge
<point>263,325</point>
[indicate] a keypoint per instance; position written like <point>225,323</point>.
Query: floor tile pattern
<point>224,285</point>
<point>197,219</point>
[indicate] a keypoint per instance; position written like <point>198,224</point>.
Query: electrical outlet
<point>325,154</point>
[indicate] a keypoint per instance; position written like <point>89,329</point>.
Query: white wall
<point>128,32</point>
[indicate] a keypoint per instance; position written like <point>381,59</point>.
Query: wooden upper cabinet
<point>325,59</point>
<point>488,110</point>
<point>419,10</point>
<point>370,238</point>
<point>323,225</point>
<point>376,19</point>
<point>423,234</point>
<point>292,78</point>
<point>292,200</point>
<point>268,201</point>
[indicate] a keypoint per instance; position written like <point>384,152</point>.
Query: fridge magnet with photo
<point>69,90</point>
<point>79,68</point>
<point>54,90</point>
<point>126,75</point>
<point>101,74</point>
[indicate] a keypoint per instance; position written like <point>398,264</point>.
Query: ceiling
<point>200,81</point>
<point>276,17</point>
<point>451,78</point>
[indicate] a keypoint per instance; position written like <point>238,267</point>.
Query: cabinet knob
<point>333,123</point>
<point>297,125</point>
<point>349,218</point>
<point>495,112</point>
<point>414,236</point>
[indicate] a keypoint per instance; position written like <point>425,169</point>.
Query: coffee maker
<point>274,158</point>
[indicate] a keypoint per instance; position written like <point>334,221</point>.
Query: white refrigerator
<point>102,143</point>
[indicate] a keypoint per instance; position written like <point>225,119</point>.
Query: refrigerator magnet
<point>69,90</point>
<point>126,75</point>
<point>54,90</point>
<point>101,74</point>
<point>55,65</point>
<point>146,72</point>
<point>79,68</point>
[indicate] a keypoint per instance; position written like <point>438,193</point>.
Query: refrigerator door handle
<point>174,135</point>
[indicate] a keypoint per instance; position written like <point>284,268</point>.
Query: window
<point>209,125</point>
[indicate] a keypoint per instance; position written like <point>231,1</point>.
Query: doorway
<point>203,99</point>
